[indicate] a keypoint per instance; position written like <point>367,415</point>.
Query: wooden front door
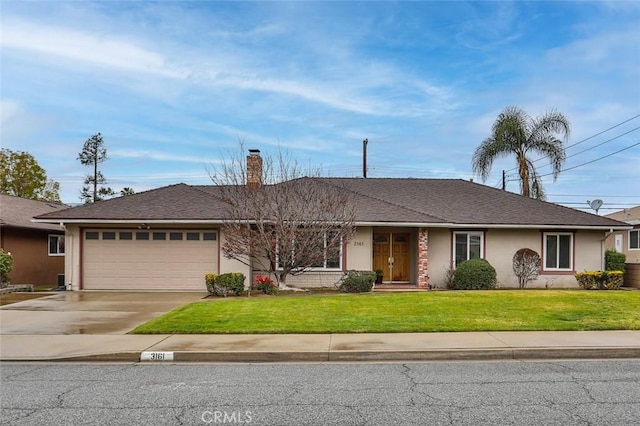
<point>391,253</point>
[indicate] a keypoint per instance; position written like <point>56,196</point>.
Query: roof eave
<point>494,226</point>
<point>357,223</point>
<point>128,221</point>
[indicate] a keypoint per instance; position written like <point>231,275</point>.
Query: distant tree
<point>526,266</point>
<point>22,176</point>
<point>93,153</point>
<point>279,221</point>
<point>515,133</point>
<point>127,191</point>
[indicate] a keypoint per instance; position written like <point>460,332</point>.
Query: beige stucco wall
<point>232,265</point>
<point>439,260</point>
<point>360,249</point>
<point>632,256</point>
<point>72,257</point>
<point>501,245</point>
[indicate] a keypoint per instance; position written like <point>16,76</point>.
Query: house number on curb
<point>156,356</point>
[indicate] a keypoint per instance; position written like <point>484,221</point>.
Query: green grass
<point>504,310</point>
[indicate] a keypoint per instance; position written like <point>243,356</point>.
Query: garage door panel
<point>148,264</point>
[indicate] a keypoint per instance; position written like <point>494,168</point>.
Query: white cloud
<point>94,48</point>
<point>156,155</point>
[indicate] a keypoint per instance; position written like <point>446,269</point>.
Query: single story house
<point>37,248</point>
<point>415,230</point>
<point>628,241</point>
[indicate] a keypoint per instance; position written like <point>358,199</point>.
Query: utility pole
<point>364,157</point>
<point>504,181</point>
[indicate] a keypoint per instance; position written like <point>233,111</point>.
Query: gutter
<point>390,224</point>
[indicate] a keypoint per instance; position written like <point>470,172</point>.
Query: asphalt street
<point>457,393</point>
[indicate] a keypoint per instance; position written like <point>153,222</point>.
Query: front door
<point>391,254</point>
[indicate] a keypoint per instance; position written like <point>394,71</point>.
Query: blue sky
<point>173,85</point>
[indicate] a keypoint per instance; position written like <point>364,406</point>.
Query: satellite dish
<point>595,204</point>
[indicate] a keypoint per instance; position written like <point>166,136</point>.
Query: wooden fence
<point>632,275</point>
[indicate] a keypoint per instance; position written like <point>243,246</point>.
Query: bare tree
<point>279,221</point>
<point>526,266</point>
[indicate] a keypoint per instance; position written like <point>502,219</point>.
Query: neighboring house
<point>413,229</point>
<point>37,248</point>
<point>627,241</point>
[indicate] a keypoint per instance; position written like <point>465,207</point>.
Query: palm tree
<point>514,132</point>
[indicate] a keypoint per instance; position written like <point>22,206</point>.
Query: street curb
<point>497,354</point>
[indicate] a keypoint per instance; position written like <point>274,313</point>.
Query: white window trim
<point>468,233</point>
<point>317,268</point>
<point>629,236</point>
<point>57,236</point>
<point>544,251</point>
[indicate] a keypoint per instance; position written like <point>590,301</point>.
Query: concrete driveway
<point>89,312</point>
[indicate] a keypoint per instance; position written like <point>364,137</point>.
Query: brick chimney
<point>254,169</point>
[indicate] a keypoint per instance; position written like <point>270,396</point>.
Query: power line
<point>597,159</point>
<point>602,143</point>
<point>586,139</point>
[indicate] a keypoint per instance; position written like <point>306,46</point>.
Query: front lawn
<point>503,310</point>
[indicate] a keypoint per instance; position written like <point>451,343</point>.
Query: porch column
<point>423,264</point>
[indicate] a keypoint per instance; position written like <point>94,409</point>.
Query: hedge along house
<point>414,230</point>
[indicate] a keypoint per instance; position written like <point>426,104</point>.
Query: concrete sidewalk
<point>323,347</point>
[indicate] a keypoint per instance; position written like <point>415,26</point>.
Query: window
<point>91,235</point>
<point>142,235</point>
<point>159,235</point>
<point>209,236</point>
<point>108,235</point>
<point>56,245</point>
<point>329,257</point>
<point>558,252</point>
<point>193,236</point>
<point>467,245</point>
<point>175,236</point>
<point>126,235</point>
<point>634,239</point>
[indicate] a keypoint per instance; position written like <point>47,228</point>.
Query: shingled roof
<point>435,202</point>
<point>17,212</point>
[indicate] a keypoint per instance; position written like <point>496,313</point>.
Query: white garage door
<point>148,260</point>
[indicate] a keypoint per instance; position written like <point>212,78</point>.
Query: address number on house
<point>156,356</point>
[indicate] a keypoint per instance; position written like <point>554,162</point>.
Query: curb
<point>507,354</point>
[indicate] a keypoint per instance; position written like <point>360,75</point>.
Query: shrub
<point>614,261</point>
<point>526,266</point>
<point>600,280</point>
<point>357,281</point>
<point>222,285</point>
<point>265,284</point>
<point>450,278</point>
<point>475,274</point>
<point>6,265</point>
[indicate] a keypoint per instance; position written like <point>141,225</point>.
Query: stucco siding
<point>632,255</point>
<point>359,250</point>
<point>501,244</point>
<point>231,265</point>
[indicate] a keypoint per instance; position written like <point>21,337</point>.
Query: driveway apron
<point>89,312</point>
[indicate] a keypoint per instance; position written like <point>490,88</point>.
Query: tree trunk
<point>524,175</point>
<point>95,178</point>
<point>282,282</point>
